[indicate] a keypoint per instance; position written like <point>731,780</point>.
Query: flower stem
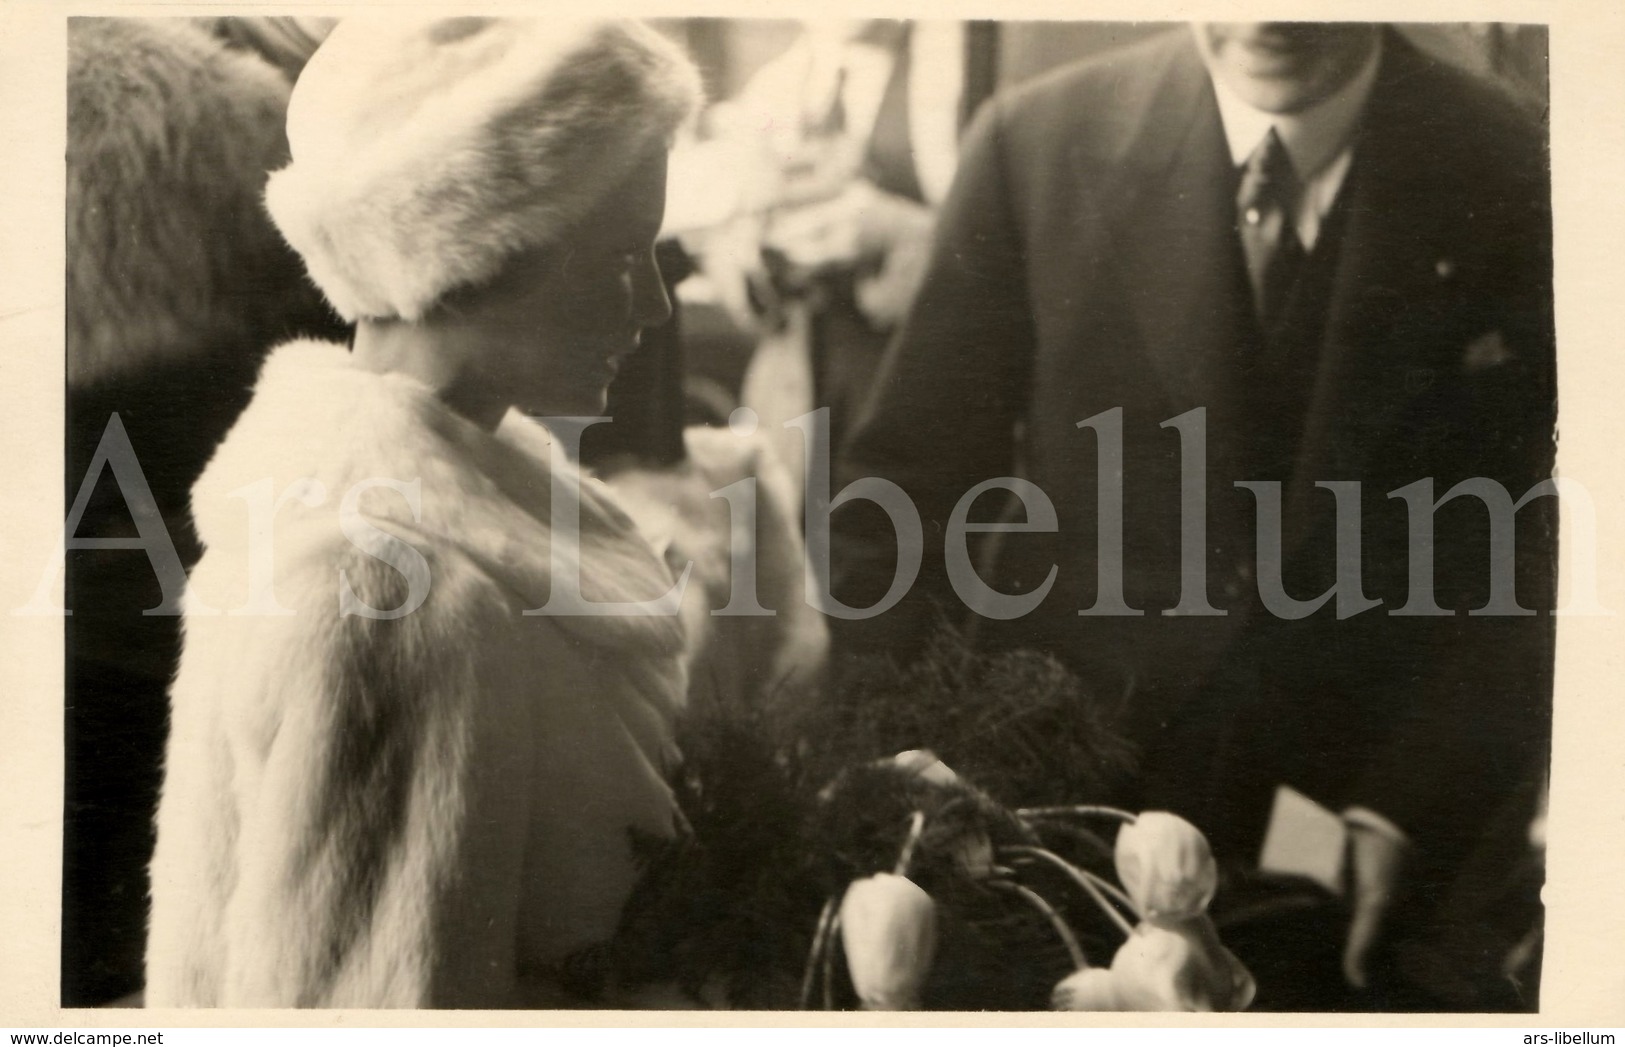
<point>916,826</point>
<point>829,963</point>
<point>1078,833</point>
<point>1113,890</point>
<point>1080,809</point>
<point>819,944</point>
<point>1080,878</point>
<point>1062,931</point>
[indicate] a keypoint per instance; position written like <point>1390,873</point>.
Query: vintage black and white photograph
<point>804,513</point>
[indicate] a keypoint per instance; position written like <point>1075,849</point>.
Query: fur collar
<point>320,426</point>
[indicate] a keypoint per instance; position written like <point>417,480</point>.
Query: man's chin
<point>1281,95</point>
<point>1277,86</point>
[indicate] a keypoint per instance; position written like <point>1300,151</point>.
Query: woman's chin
<point>586,405</point>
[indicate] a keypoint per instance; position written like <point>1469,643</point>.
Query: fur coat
<point>772,645</point>
<point>365,808</point>
<point>171,256</point>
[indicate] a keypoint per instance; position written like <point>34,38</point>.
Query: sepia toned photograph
<point>807,514</point>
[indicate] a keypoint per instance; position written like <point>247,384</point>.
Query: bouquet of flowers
<point>1171,958</point>
<point>835,861</point>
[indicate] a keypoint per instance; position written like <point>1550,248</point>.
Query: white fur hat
<point>426,153</point>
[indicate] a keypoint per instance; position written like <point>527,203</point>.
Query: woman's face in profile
<point>555,326</point>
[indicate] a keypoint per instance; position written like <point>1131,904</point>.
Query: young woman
<point>387,785</point>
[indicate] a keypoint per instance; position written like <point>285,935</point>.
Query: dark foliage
<point>790,800</point>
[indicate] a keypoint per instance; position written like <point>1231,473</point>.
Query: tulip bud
<point>1091,989</point>
<point>889,932</point>
<point>1166,866</point>
<point>972,852</point>
<point>971,849</point>
<point>1180,967</point>
<point>925,764</point>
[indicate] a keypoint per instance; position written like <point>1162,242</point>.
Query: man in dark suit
<point>1304,258</point>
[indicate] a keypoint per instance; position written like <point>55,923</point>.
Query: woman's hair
<point>427,153</point>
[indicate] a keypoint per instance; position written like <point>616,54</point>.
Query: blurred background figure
<point>286,43</point>
<point>798,219</point>
<point>809,201</point>
<point>176,286</point>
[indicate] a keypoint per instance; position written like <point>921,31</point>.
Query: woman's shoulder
<point>329,446</point>
<point>342,473</point>
<point>345,623</point>
<point>298,425</point>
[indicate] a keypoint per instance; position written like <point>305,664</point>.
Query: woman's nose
<point>651,304</point>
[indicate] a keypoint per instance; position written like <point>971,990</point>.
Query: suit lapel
<point>1175,240</point>
<point>1397,210</point>
<point>1184,275</point>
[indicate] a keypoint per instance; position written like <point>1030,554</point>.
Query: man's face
<point>1285,67</point>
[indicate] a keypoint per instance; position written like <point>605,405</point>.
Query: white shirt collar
<point>1314,137</point>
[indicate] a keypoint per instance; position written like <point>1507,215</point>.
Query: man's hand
<point>867,227</point>
<point>1375,860</point>
<point>861,222</point>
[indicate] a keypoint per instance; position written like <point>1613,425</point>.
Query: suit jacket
<point>1087,262</point>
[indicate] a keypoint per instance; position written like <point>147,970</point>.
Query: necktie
<point>831,122</point>
<point>1265,207</point>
